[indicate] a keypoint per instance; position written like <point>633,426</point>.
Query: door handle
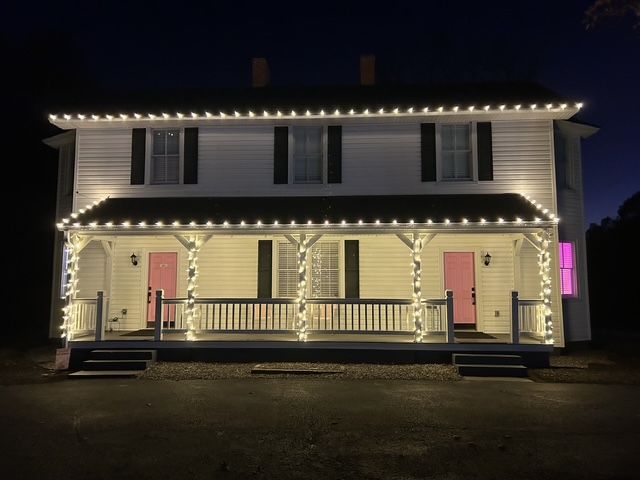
<point>149,295</point>
<point>473,295</point>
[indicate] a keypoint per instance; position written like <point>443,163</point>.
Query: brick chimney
<point>259,72</point>
<point>367,69</point>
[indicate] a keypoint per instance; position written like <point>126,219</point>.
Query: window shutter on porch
<point>352,269</point>
<point>138,144</point>
<point>190,155</point>
<point>485,151</point>
<point>281,155</point>
<point>428,151</point>
<point>264,268</point>
<point>334,154</point>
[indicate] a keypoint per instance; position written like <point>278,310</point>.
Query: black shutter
<point>190,155</point>
<point>138,143</point>
<point>334,154</point>
<point>281,155</point>
<point>264,268</point>
<point>352,269</point>
<point>428,151</point>
<point>485,151</point>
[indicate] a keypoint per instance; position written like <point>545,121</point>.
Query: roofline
<point>64,138</point>
<point>344,229</point>
<point>560,111</point>
<point>585,130</point>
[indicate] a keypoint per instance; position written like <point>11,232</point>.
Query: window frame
<point>324,161</point>
<point>149,157</point>
<point>574,270</point>
<point>276,269</point>
<point>473,143</point>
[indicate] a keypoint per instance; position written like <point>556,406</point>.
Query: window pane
<point>314,140</point>
<point>300,169</point>
<point>462,137</point>
<point>325,271</point>
<point>299,137</point>
<point>173,142</point>
<point>158,142</point>
<point>566,280</point>
<point>172,172</point>
<point>314,168</point>
<point>287,270</point>
<point>447,134</point>
<point>448,170</point>
<point>462,165</point>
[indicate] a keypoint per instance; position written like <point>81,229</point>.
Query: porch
<point>431,283</point>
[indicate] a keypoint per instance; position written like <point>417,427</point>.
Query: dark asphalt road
<point>318,428</point>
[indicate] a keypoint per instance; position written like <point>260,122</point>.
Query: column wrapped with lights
<point>301,326</point>
<point>544,264</point>
<point>416,274</point>
<point>192,285</point>
<point>71,288</point>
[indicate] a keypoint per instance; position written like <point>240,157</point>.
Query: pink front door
<point>163,267</point>
<point>459,276</point>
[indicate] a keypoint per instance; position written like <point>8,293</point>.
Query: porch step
<point>149,355</point>
<point>489,365</point>
<point>104,374</point>
<point>492,370</point>
<point>94,365</point>
<point>485,359</point>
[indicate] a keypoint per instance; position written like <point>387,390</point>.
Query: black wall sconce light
<point>487,259</point>
<point>134,259</point>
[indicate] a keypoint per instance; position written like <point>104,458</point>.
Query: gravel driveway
<point>216,371</point>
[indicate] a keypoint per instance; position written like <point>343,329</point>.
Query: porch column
<point>74,245</point>
<point>416,243</point>
<point>193,243</point>
<point>303,244</point>
<point>544,263</point>
<point>416,276</point>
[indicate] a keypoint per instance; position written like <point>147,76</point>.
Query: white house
<point>426,217</point>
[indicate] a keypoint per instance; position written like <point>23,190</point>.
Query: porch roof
<point>496,209</point>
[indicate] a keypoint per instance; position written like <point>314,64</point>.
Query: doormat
<point>474,335</point>
<point>143,332</point>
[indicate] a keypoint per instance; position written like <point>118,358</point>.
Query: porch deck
<point>290,337</point>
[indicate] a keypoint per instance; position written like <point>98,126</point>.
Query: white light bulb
<point>351,112</point>
<point>395,110</point>
<point>366,111</point>
<point>381,110</point>
<point>236,114</point>
<point>425,109</point>
<point>410,110</point>
<point>81,117</point>
<point>471,108</point>
<point>222,115</point>
<point>109,117</point>
<point>455,109</point>
<point>165,115</point>
<point>517,107</point>
<point>486,108</point>
<point>279,113</point>
<point>137,115</point>
<point>326,222</point>
<point>307,113</point>
<point>265,113</point>
<point>179,115</point>
<point>321,112</point>
<point>293,113</point>
<point>95,117</point>
<point>440,109</point>
<point>534,106</point>
<point>579,105</point>
<point>336,112</point>
<point>251,114</point>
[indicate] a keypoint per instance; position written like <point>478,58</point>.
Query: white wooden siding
<point>92,273</point>
<point>228,268</point>
<point>572,229</point>
<point>377,159</point>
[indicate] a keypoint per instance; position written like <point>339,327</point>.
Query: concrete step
<point>115,364</point>
<point>492,370</point>
<point>485,359</point>
<point>82,374</point>
<point>123,354</point>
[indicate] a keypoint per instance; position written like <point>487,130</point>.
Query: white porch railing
<point>331,315</point>
<point>527,318</point>
<point>89,315</point>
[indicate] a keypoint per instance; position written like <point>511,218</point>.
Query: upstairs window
<point>568,277</point>
<point>165,156</point>
<point>456,152</point>
<point>307,154</point>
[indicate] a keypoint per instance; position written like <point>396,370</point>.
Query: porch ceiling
<point>429,211</point>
